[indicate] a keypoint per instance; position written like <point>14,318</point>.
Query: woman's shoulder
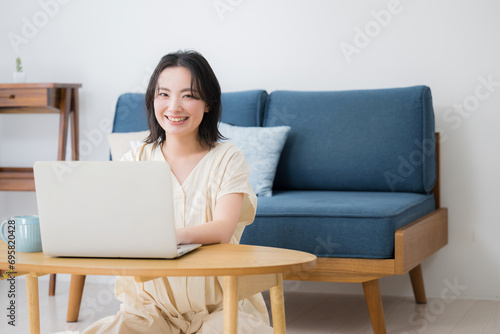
<point>227,147</point>
<point>228,155</point>
<point>227,150</point>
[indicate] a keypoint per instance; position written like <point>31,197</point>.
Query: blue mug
<point>23,232</point>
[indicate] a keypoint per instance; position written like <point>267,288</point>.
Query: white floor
<point>305,312</point>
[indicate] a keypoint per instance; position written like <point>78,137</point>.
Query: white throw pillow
<point>122,142</point>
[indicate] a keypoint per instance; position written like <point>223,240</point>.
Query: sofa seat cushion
<point>335,223</point>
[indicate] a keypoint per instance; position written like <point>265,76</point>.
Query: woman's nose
<point>174,104</point>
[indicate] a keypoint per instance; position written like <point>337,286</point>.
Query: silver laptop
<point>107,209</point>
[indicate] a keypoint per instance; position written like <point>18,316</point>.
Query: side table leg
<point>33,303</point>
<point>52,285</point>
<point>230,304</point>
<point>75,136</point>
<point>65,105</point>
<point>278,306</point>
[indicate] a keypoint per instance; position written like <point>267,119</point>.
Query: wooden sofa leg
<point>374,303</point>
<point>417,282</point>
<point>75,297</point>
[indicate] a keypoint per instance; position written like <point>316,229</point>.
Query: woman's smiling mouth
<point>177,119</point>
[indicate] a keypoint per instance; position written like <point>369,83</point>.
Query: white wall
<point>452,46</point>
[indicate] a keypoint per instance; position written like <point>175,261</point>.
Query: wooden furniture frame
<point>246,270</point>
<point>41,98</point>
<point>413,244</point>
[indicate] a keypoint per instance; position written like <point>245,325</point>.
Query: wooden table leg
<point>75,137</point>
<point>230,306</point>
<point>65,105</point>
<point>33,303</point>
<point>75,297</point>
<point>52,285</point>
<point>278,306</point>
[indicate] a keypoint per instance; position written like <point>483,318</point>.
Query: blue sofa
<point>356,184</point>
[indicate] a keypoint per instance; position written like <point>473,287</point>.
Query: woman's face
<point>178,109</point>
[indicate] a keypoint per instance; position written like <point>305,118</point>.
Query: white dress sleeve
<point>235,173</point>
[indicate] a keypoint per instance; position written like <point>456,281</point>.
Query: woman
<point>213,203</point>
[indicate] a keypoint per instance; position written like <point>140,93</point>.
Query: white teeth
<point>177,119</point>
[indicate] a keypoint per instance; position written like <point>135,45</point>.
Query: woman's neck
<point>175,147</point>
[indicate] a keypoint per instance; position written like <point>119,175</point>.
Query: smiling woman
<point>198,82</point>
<point>213,202</point>
<point>178,109</point>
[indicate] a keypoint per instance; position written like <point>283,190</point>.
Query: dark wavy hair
<point>203,80</point>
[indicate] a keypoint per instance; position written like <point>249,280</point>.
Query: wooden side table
<point>40,98</point>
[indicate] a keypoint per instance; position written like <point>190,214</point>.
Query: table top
<point>38,85</point>
<point>210,260</point>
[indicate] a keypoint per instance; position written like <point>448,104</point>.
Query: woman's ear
<point>207,108</point>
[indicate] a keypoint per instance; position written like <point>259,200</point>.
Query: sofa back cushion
<point>130,113</point>
<point>244,108</point>
<point>369,140</point>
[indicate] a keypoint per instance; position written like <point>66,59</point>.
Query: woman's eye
<point>162,94</point>
<point>188,96</point>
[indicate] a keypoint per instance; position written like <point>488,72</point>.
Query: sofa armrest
<point>417,241</point>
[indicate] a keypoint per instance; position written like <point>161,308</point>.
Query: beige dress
<point>190,304</point>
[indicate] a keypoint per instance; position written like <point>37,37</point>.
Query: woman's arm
<point>221,229</point>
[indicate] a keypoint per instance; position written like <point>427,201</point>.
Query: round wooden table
<point>246,270</point>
